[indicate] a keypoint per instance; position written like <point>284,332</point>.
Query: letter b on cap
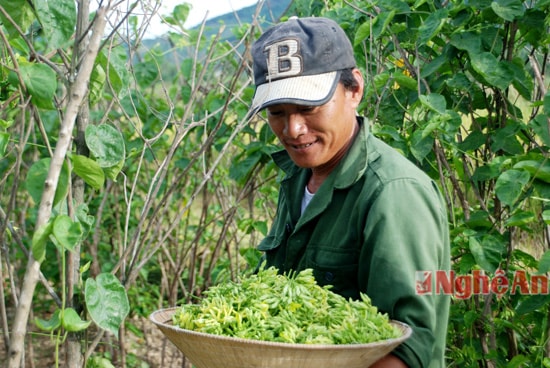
<point>283,59</point>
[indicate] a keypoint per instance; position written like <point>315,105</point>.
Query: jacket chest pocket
<point>336,267</point>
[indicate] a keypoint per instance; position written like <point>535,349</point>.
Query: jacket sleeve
<point>406,231</point>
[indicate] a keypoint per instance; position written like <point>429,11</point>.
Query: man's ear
<point>357,92</point>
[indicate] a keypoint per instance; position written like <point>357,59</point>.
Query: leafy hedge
<point>460,88</point>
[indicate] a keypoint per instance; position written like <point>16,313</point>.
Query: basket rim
<point>168,312</point>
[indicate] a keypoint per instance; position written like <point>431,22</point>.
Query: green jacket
<point>374,223</point>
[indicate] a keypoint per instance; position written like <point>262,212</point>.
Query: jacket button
<point>329,276</point>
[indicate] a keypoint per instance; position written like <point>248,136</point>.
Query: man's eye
<point>307,109</point>
<point>274,112</point>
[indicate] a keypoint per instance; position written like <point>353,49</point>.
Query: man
<point>364,218</point>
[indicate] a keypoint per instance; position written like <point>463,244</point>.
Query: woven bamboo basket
<point>213,351</point>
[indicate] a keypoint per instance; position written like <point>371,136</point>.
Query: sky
<point>199,10</point>
<point>201,7</point>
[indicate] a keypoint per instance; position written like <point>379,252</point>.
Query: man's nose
<point>295,125</point>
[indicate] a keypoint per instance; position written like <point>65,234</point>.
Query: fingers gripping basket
<point>214,351</point>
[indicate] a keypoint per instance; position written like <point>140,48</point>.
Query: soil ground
<point>148,350</point>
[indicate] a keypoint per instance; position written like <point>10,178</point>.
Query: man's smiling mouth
<point>303,146</point>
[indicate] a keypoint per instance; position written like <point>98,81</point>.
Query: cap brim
<point>311,90</point>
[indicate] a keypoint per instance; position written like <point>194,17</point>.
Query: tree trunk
<point>75,356</point>
<point>77,94</point>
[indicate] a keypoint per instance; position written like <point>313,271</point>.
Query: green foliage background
<point>168,185</point>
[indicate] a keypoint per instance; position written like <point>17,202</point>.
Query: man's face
<point>316,137</point>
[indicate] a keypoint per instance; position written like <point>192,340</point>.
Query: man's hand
<point>389,361</point>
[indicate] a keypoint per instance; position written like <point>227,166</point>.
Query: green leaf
<point>5,124</point>
<point>188,65</point>
<point>421,145</point>
<point>459,81</point>
<point>398,6</point>
<point>381,23</point>
<point>252,256</point>
<point>4,140</point>
<point>434,102</point>
<point>20,12</point>
<point>113,171</point>
<point>260,226</point>
<point>51,324</point>
<point>87,221</point>
<point>531,303</point>
<point>98,79</point>
<point>39,240</point>
<point>473,141</point>
<point>540,126</point>
<point>523,81</point>
<point>36,177</point>
<point>486,172</point>
<point>240,170</point>
<point>487,251</point>
<point>58,20</point>
<point>520,218</point>
<point>479,219</point>
<point>107,302</point>
<point>544,263</point>
<point>41,83</point>
<point>89,170</point>
<point>434,65</point>
<point>434,123</point>
<point>542,4</point>
<point>467,41</point>
<point>386,132</point>
<point>100,362</point>
<point>538,169</point>
<point>467,263</point>
<point>114,61</point>
<point>509,186</point>
<point>518,361</point>
<point>380,80</point>
<point>405,81</point>
<point>470,317</point>
<point>85,267</point>
<point>508,9</point>
<point>19,44</point>
<point>181,12</point>
<point>525,258</point>
<point>179,15</point>
<point>72,322</point>
<point>363,32</point>
<point>67,232</point>
<point>546,216</point>
<point>432,25</point>
<point>496,73</point>
<point>106,144</point>
<point>506,139</point>
<point>147,73</point>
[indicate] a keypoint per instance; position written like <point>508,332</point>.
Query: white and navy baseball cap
<point>299,62</point>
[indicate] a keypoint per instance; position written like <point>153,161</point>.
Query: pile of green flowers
<point>292,308</point>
